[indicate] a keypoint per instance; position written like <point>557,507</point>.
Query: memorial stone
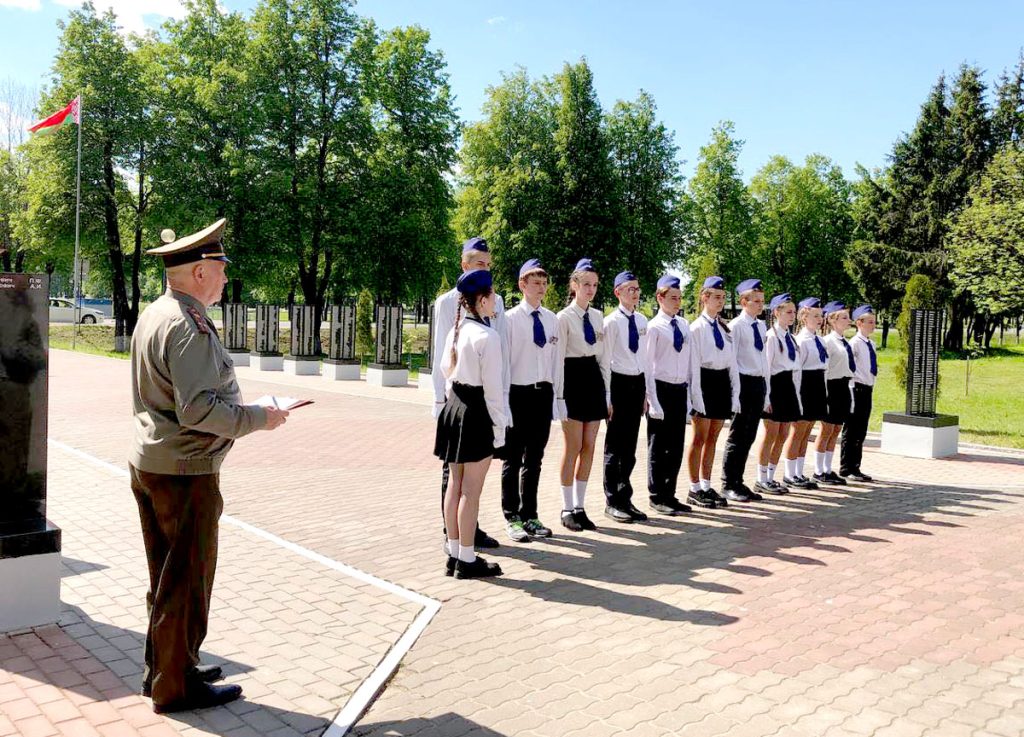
<point>236,333</point>
<point>303,358</point>
<point>341,363</point>
<point>388,369</point>
<point>266,355</point>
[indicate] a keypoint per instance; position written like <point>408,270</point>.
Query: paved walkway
<point>886,609</point>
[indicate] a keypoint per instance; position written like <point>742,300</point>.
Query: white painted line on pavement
<point>368,689</point>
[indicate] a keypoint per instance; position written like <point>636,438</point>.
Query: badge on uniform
<point>198,319</point>
<point>553,339</point>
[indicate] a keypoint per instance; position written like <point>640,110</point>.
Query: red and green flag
<point>70,114</point>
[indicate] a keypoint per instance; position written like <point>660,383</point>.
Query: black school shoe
<point>205,673</point>
<point>583,520</point>
<point>824,478</point>
<point>858,476</point>
<point>799,482</point>
<point>479,568</point>
<point>703,498</point>
<point>201,696</point>
<point>570,522</point>
<point>836,478</point>
<point>774,487</point>
<point>670,507</point>
<point>735,495</point>
<point>482,540</point>
<point>635,513</point>
<point>449,565</point>
<point>617,514</point>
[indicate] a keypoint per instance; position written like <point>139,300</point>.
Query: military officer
<point>188,412</point>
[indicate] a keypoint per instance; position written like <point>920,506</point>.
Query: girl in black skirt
<point>714,391</point>
<point>812,358</point>
<point>837,391</point>
<point>472,423</point>
<point>581,391</point>
<point>784,368</point>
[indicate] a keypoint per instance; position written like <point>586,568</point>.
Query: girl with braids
<point>784,370</point>
<point>472,423</point>
<point>838,372</point>
<point>714,391</point>
<point>812,359</point>
<point>581,391</point>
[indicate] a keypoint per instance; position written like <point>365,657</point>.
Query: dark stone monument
<point>426,381</point>
<point>388,369</point>
<point>303,357</point>
<point>29,543</point>
<point>236,332</point>
<point>266,354</point>
<point>920,431</point>
<point>341,363</point>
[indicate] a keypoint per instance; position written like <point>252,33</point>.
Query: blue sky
<point>840,78</point>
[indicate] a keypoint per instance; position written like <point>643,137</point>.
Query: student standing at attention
<point>749,335</point>
<point>713,396</point>
<point>472,423</point>
<point>582,400</point>
<point>838,373</point>
<point>812,358</point>
<point>784,368</point>
<point>630,388</point>
<point>668,361</point>
<point>856,428</point>
<point>532,348</point>
<point>476,255</point>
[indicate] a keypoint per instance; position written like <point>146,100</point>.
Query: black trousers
<point>179,528</point>
<point>743,429</point>
<point>665,440</point>
<point>855,430</point>
<point>628,394</point>
<point>524,448</point>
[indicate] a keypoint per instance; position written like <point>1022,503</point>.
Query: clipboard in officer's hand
<point>281,402</point>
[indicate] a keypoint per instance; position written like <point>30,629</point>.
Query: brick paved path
<point>887,609</point>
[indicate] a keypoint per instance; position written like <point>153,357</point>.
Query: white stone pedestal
<point>920,437</point>
<point>382,375</point>
<point>239,358</point>
<point>302,365</point>
<point>426,381</point>
<point>267,361</point>
<point>31,586</point>
<point>335,370</point>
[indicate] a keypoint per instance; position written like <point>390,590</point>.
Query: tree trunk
<point>885,331</point>
<point>113,238</point>
<point>954,340</point>
<point>133,311</point>
<point>236,290</point>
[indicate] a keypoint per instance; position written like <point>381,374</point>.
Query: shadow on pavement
<point>445,725</point>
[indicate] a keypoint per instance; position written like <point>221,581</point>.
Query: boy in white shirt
<point>856,428</point>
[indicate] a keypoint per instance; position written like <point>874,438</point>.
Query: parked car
<point>63,310</point>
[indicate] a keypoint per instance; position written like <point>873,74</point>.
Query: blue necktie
<point>719,340</point>
<point>822,353</point>
<point>677,336</point>
<point>588,330</point>
<point>538,330</point>
<point>874,359</point>
<point>849,355</point>
<point>758,343</point>
<point>634,334</point>
<point>790,347</point>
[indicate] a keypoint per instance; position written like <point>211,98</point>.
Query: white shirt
<point>810,359</point>
<point>479,364</point>
<point>705,354</point>
<point>838,359</point>
<point>749,359</point>
<point>572,344</point>
<point>621,360</point>
<point>862,357</point>
<point>444,320</point>
<point>663,361</point>
<point>528,363</point>
<point>778,358</point>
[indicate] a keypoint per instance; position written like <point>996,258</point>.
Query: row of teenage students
<point>501,377</point>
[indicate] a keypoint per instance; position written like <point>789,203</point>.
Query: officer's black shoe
<point>205,673</point>
<point>663,508</point>
<point>619,515</point>
<point>479,568</point>
<point>583,520</point>
<point>702,499</point>
<point>570,522</point>
<point>635,513</point>
<point>679,507</point>
<point>449,566</point>
<point>733,495</point>
<point>483,540</point>
<point>202,696</point>
<point>858,476</point>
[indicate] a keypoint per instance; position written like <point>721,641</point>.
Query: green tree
<point>1008,111</point>
<point>364,323</point>
<point>921,293</point>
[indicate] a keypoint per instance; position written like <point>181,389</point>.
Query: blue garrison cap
<point>809,303</point>
<point>473,281</point>
<point>669,281</point>
<point>532,265</point>
<point>714,282</point>
<point>584,264</point>
<point>476,243</point>
<point>861,310</point>
<point>747,284</point>
<point>623,277</point>
<point>780,299</point>
<point>833,307</point>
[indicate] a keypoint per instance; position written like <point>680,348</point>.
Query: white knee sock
<point>828,461</point>
<point>800,466</point>
<point>453,547</point>
<point>695,486</point>
<point>819,462</point>
<point>567,498</point>
<point>467,554</point>
<point>762,473</point>
<point>771,471</point>
<point>579,494</point>
<point>705,484</point>
<point>792,465</point>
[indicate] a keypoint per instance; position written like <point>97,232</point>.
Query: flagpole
<point>78,209</point>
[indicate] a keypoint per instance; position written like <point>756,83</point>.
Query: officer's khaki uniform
<point>188,412</point>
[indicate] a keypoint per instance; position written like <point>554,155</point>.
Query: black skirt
<point>812,395</point>
<point>785,407</point>
<point>583,390</point>
<point>465,432</point>
<point>716,391</point>
<point>837,392</point>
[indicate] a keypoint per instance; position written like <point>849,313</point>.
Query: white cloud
<point>133,15</point>
<point>496,20</point>
<point>21,4</point>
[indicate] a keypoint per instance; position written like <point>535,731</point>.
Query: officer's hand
<point>275,417</point>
